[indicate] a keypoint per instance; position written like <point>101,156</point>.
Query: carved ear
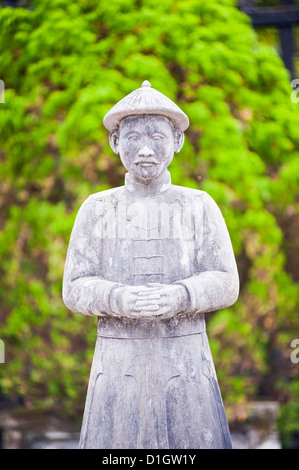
<point>114,140</point>
<point>178,140</point>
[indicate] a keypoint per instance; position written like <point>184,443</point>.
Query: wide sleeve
<point>216,282</point>
<point>84,288</point>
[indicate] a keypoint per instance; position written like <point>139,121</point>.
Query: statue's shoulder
<point>191,195</point>
<point>105,195</point>
<point>187,193</point>
<point>94,203</point>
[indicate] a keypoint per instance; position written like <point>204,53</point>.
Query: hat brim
<point>112,122</point>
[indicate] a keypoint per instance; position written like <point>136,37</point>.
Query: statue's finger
<point>146,306</point>
<point>137,289</point>
<point>144,303</point>
<point>148,297</point>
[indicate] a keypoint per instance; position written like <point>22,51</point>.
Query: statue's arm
<point>216,284</point>
<point>84,289</point>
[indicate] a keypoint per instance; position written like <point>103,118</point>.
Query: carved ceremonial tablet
<point>149,259</point>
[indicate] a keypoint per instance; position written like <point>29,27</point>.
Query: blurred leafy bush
<point>65,64</point>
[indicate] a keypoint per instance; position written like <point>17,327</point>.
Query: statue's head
<point>146,130</point>
<point>146,144</point>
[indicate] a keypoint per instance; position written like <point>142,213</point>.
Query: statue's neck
<point>148,189</point>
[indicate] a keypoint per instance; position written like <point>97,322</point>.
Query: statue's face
<point>146,145</point>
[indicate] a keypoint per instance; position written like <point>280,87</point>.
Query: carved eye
<point>157,136</point>
<point>133,138</point>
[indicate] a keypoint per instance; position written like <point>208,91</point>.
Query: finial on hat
<point>146,83</point>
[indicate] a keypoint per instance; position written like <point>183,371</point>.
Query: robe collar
<point>151,189</point>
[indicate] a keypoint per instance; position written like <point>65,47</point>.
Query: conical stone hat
<point>145,100</point>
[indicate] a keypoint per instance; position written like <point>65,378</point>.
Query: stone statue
<point>149,259</point>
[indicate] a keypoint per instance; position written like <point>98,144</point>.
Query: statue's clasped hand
<point>151,301</point>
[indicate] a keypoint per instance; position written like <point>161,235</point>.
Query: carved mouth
<point>146,163</point>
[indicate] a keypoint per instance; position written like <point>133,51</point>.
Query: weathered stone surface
<point>150,259</point>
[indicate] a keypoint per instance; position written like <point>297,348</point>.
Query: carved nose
<point>145,152</point>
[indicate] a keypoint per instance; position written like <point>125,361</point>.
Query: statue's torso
<point>149,240</point>
<point>155,239</point>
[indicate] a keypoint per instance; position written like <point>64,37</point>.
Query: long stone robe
<point>153,383</point>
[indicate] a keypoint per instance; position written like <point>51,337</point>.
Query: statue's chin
<point>145,173</point>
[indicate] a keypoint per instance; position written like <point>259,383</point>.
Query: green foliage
<point>64,65</point>
<point>289,412</point>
